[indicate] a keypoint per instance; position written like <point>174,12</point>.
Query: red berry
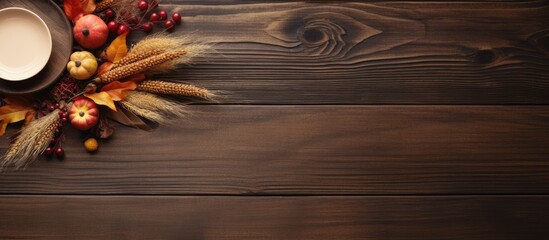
<point>64,119</point>
<point>113,26</point>
<point>59,152</point>
<point>176,17</point>
<point>57,105</point>
<point>169,24</point>
<point>163,15</point>
<point>123,28</point>
<point>147,27</point>
<point>109,13</point>
<point>48,151</point>
<point>51,107</point>
<point>154,17</point>
<point>142,5</point>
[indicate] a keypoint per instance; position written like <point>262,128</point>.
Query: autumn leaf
<point>14,112</point>
<point>88,6</point>
<point>105,128</point>
<point>117,90</point>
<point>118,49</point>
<point>102,98</point>
<point>114,91</point>
<point>73,9</point>
<point>105,67</point>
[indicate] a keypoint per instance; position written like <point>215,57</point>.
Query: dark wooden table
<point>341,120</point>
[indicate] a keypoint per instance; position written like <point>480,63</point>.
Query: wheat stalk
<point>153,107</point>
<point>158,43</point>
<point>172,88</point>
<point>193,50</point>
<point>32,141</point>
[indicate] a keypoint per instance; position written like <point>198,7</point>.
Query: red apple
<point>90,31</point>
<point>83,113</point>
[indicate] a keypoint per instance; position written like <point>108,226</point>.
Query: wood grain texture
<point>203,218</point>
<point>61,33</point>
<point>311,150</point>
<point>378,52</point>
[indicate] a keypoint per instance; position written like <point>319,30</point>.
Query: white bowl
<point>25,44</point>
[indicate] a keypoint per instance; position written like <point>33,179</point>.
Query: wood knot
<point>487,57</point>
<point>325,33</point>
<point>484,57</point>
<point>312,35</point>
<point>322,33</point>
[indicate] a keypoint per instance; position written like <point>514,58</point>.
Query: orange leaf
<point>14,113</point>
<point>73,9</point>
<point>88,6</point>
<point>102,98</point>
<point>118,49</point>
<point>105,67</point>
<point>117,90</point>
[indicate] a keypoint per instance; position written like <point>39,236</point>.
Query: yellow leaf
<point>102,98</point>
<point>117,90</point>
<point>118,49</point>
<point>14,113</point>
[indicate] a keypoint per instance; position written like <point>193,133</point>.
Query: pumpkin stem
<point>86,32</point>
<point>77,63</point>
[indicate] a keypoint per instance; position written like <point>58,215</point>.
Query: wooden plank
<point>311,150</point>
<point>386,52</point>
<point>403,218</point>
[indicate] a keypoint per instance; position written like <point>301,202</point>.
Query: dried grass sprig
<point>159,41</point>
<point>154,107</point>
<point>32,141</point>
<point>176,89</point>
<point>193,50</point>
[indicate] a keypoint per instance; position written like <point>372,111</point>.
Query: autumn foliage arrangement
<point>117,83</point>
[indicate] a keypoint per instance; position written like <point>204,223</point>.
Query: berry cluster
<point>121,20</point>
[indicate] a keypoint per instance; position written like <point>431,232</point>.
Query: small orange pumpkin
<point>83,113</point>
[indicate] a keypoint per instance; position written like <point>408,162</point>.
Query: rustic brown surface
<point>261,164</point>
<point>381,52</point>
<point>311,150</point>
<point>243,218</point>
<point>61,34</point>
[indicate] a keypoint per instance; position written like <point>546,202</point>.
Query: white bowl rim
<point>50,46</point>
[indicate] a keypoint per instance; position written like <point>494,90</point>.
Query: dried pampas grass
<point>32,141</point>
<point>153,107</point>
